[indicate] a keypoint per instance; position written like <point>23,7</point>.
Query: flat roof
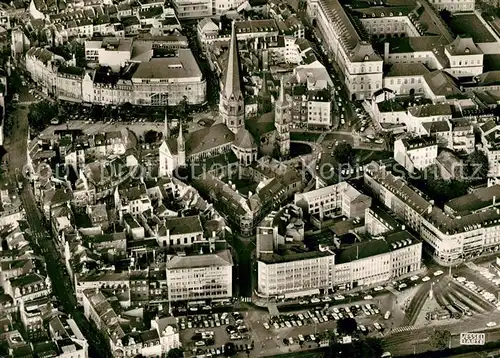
<point>183,65</point>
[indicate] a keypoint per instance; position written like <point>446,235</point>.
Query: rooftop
<point>477,200</point>
<point>287,253</point>
<point>183,65</point>
<point>390,242</point>
<point>418,142</point>
<point>430,110</point>
<point>470,25</point>
<point>183,225</point>
<point>222,258</point>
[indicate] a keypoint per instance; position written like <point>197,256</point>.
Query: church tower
<point>231,102</point>
<point>282,121</point>
<point>264,96</point>
<point>181,148</point>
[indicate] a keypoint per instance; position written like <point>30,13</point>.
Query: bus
<point>453,312</point>
<point>462,309</point>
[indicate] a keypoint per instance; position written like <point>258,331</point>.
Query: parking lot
<point>208,333</point>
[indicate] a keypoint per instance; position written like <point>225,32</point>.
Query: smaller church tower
<point>181,148</point>
<point>282,121</point>
<point>264,96</point>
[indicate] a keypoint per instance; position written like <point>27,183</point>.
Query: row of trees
<point>40,114</point>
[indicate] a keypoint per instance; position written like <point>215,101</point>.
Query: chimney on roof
<point>386,51</point>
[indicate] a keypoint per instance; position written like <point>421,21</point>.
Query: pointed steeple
<point>180,139</point>
<point>181,147</point>
<point>264,96</point>
<point>282,98</point>
<point>166,130</point>
<point>232,82</point>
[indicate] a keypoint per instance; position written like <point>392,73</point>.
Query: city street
<point>61,283</point>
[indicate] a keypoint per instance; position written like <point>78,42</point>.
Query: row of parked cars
<point>203,321</point>
<point>219,351</point>
<point>490,276</point>
<point>488,296</point>
<point>320,315</point>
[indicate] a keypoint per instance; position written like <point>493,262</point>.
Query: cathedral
<point>232,133</point>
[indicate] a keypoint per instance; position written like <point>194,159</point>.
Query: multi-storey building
<point>384,21</point>
<point>454,6</point>
<point>294,272</point>
<point>334,200</point>
<point>360,64</point>
<point>200,276</point>
<point>159,81</point>
<point>378,221</point>
<point>415,153</point>
<point>450,238</point>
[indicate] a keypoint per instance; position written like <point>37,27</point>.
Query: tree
<point>370,347</point>
<point>40,114</point>
<point>229,349</point>
<point>445,15</point>
<point>440,339</point>
<point>184,106</point>
<point>175,353</point>
<point>343,153</point>
<point>347,326</point>
<point>477,166</point>
<point>152,136</point>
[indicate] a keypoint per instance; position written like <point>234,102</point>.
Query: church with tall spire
<point>232,136</point>
<point>231,100</point>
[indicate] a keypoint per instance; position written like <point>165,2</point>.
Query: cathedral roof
<point>244,139</point>
<point>232,77</point>
<point>203,140</point>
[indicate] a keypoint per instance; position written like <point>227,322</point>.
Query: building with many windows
<point>192,277</point>
<point>387,257</point>
<point>415,153</point>
<point>450,237</point>
<point>334,200</point>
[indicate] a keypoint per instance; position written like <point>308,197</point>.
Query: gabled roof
<point>407,69</point>
<point>244,139</point>
<point>364,52</point>
<point>463,46</point>
<point>441,84</point>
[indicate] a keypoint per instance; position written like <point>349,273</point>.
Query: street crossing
<point>403,329</point>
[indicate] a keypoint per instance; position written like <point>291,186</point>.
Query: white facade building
<point>200,276</point>
<point>305,273</point>
<point>415,153</point>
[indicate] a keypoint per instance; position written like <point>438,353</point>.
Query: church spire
<point>181,147</point>
<point>180,139</point>
<point>282,97</point>
<point>264,96</point>
<point>232,83</point>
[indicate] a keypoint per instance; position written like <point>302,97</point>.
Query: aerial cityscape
<point>249,178</point>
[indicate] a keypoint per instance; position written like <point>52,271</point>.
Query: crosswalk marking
<point>403,329</point>
<point>246,299</point>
